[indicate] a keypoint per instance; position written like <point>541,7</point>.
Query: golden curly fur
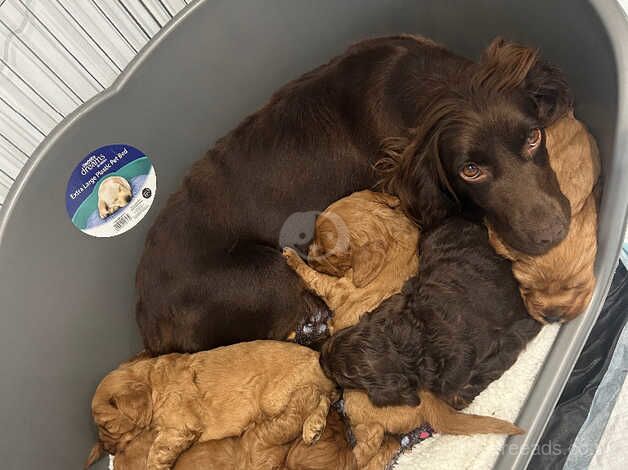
<point>333,452</point>
<point>250,451</point>
<point>558,285</point>
<point>364,250</point>
<point>212,395</point>
<point>330,452</point>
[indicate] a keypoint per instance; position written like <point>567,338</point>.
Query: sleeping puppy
<point>251,451</point>
<point>113,193</point>
<point>367,247</point>
<point>212,395</point>
<point>333,451</point>
<point>558,285</point>
<point>455,328</point>
<point>349,228</point>
<point>371,424</point>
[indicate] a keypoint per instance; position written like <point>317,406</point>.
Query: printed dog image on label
<point>111,190</point>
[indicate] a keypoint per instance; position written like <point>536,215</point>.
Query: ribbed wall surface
<point>55,55</point>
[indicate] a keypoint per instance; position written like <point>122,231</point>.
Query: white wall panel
<point>55,55</point>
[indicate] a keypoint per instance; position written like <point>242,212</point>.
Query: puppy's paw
<point>292,257</point>
<point>313,428</point>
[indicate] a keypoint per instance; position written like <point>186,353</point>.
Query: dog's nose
<point>551,235</point>
<point>128,198</point>
<point>553,315</point>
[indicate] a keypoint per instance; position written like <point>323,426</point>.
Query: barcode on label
<point>121,222</point>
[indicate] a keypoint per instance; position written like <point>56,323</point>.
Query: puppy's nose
<point>553,315</point>
<point>128,198</point>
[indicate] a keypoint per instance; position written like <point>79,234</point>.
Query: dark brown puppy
<point>212,274</point>
<point>454,329</point>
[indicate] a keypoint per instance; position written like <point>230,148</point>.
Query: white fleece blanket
<point>503,398</point>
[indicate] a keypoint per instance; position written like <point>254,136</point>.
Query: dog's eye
<point>534,138</point>
<point>470,171</point>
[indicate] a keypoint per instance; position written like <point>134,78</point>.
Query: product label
<point>110,190</point>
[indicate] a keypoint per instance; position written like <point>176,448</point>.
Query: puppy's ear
<point>135,404</point>
<point>368,261</point>
<point>498,245</point>
<point>387,199</point>
<point>392,389</point>
<point>102,209</point>
<point>94,455</point>
<point>547,86</point>
<point>330,251</point>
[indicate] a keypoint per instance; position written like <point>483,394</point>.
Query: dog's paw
<point>292,257</point>
<point>313,428</point>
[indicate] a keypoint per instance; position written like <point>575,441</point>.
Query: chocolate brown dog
<point>212,272</point>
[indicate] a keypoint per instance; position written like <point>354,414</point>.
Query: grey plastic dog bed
<point>67,299</point>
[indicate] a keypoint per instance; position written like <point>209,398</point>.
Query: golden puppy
<point>113,193</point>
<point>367,247</point>
<point>330,452</point>
<point>370,423</point>
<point>251,451</point>
<point>558,285</point>
<point>368,242</point>
<point>190,398</point>
<point>333,452</point>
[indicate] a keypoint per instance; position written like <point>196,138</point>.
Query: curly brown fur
<point>558,285</point>
<point>212,273</point>
<point>455,328</point>
<point>211,395</point>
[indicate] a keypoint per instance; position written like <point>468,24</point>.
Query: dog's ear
<point>507,65</point>
<point>420,185</point>
<point>504,65</point>
<point>392,389</point>
<point>547,86</point>
<point>135,403</point>
<point>498,245</point>
<point>102,209</point>
<point>330,252</point>
<point>387,199</point>
<point>368,261</point>
<point>415,172</point>
<point>94,455</point>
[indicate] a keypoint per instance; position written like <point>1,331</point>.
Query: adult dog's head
<point>122,408</point>
<point>480,144</point>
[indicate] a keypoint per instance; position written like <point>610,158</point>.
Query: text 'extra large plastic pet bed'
<point>67,298</point>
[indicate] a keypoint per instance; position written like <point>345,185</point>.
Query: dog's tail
<point>94,455</point>
<point>447,420</point>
